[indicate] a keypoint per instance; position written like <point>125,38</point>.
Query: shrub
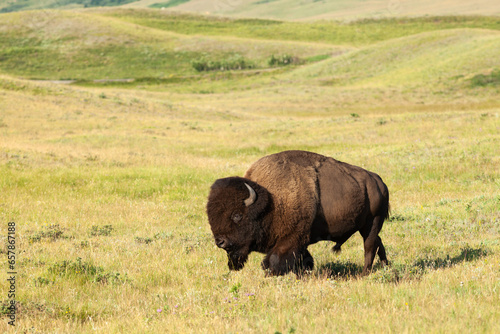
<point>51,232</point>
<point>101,230</point>
<point>283,60</point>
<point>236,62</point>
<point>41,281</point>
<point>141,240</point>
<point>85,270</point>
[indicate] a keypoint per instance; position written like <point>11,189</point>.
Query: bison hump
<point>291,179</point>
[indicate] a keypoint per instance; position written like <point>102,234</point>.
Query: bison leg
<point>373,244</point>
<point>381,252</point>
<point>340,241</point>
<point>307,261</point>
<point>280,263</point>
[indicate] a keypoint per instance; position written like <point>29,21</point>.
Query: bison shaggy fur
<point>289,200</point>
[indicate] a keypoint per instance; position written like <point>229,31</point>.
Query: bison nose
<point>221,242</point>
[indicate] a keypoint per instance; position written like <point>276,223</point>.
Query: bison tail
<point>387,212</point>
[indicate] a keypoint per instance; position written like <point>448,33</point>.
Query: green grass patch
<point>51,232</point>
<point>357,33</point>
<point>20,5</point>
<point>85,271</point>
<point>484,80</point>
<point>101,230</point>
<point>167,4</point>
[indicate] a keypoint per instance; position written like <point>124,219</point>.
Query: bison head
<point>235,208</point>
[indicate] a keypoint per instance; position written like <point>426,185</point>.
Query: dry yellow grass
<point>143,161</point>
<point>341,10</point>
<point>107,185</point>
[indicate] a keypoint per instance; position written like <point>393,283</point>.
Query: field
<point>107,180</point>
<point>338,9</point>
<point>281,9</point>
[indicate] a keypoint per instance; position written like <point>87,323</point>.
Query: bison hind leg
<point>340,241</point>
<point>381,253</point>
<point>373,245</point>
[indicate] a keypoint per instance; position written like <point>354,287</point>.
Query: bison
<point>290,200</point>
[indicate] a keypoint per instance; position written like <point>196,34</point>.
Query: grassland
<point>107,182</point>
<point>281,9</point>
<point>339,9</point>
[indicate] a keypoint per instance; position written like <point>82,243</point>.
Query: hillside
<point>445,57</point>
<point>340,9</point>
<point>87,45</point>
<point>281,9</point>
<point>7,6</point>
<point>166,48</point>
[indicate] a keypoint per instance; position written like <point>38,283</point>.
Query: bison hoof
<point>234,266</point>
<point>336,249</point>
<point>265,264</point>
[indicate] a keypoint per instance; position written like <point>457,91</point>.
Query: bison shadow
<point>340,270</point>
<point>400,272</point>
<point>467,254</point>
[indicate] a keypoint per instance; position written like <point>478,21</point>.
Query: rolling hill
<point>343,9</point>
<point>444,57</point>
<point>282,9</point>
<point>88,45</point>
<point>432,53</point>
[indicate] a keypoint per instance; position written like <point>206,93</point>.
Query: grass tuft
<point>85,272</point>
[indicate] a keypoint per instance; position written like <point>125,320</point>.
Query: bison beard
<point>289,200</point>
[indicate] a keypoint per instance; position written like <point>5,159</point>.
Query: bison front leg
<point>281,261</point>
<point>306,261</point>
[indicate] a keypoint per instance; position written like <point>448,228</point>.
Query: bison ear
<point>258,200</point>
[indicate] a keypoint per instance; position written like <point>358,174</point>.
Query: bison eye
<point>236,217</point>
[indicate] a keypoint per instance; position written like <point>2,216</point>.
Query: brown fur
<point>302,198</point>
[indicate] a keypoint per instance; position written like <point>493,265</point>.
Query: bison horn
<point>250,200</point>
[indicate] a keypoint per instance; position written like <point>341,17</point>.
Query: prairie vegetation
<point>107,181</point>
<point>280,9</point>
<point>339,9</point>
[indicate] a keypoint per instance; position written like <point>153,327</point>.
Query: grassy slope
<point>57,44</point>
<point>7,6</point>
<point>141,158</point>
<point>357,33</point>
<point>344,9</point>
<point>295,9</point>
<point>405,62</point>
<point>122,43</point>
<point>26,4</point>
